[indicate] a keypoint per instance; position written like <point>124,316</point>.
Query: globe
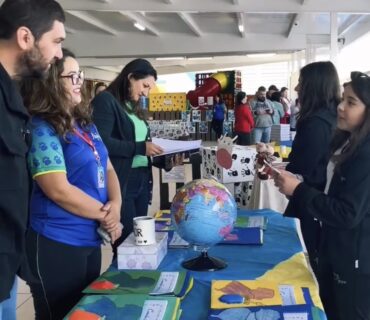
<point>203,213</point>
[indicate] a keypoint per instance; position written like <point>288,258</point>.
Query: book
<point>252,235</point>
<point>295,312</point>
<point>251,222</point>
<point>125,307</point>
<point>176,146</point>
<point>254,293</point>
<point>151,282</point>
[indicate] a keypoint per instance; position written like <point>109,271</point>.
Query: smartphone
<point>271,167</point>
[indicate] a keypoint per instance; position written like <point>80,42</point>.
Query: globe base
<point>204,263</point>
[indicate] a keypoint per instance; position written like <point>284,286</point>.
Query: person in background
<point>244,121</point>
<point>294,110</point>
<point>31,33</point>
<point>76,190</point>
<point>263,111</point>
<point>342,207</point>
<point>319,94</point>
<point>278,107</point>
<point>271,90</point>
<point>219,112</point>
<point>121,121</point>
<point>99,87</point>
<point>287,103</point>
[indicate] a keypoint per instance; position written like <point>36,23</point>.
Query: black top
<point>344,213</point>
<point>118,133</point>
<point>14,182</point>
<point>311,148</point>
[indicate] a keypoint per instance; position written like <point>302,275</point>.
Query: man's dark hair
<point>37,15</point>
<point>261,89</point>
<point>273,88</point>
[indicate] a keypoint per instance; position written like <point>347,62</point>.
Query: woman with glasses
<point>121,120</point>
<point>75,190</point>
<point>319,94</point>
<point>343,207</point>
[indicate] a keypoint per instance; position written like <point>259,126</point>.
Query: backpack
<point>218,112</point>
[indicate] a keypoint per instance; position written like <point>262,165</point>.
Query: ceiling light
<point>139,26</point>
<point>261,55</point>
<point>241,28</point>
<point>169,58</point>
<point>200,58</point>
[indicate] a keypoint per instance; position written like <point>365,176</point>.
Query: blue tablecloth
<point>281,242</point>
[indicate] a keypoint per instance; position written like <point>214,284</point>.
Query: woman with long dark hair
<point>319,94</point>
<point>75,190</point>
<point>121,121</point>
<point>342,207</point>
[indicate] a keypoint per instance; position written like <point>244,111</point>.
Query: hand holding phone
<point>271,167</point>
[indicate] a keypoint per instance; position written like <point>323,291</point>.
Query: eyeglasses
<point>358,74</point>
<point>76,77</point>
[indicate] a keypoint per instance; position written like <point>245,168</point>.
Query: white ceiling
<point>102,34</point>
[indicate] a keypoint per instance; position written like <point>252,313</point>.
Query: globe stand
<point>204,263</point>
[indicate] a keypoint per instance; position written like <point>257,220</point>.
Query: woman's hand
<point>286,182</point>
<point>116,232</point>
<point>152,149</point>
<point>113,215</point>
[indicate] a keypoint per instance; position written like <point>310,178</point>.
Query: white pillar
<point>333,37</point>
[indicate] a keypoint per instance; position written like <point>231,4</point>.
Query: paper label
<point>257,221</point>
<point>295,316</point>
<point>153,310</point>
<point>287,295</point>
<point>166,283</point>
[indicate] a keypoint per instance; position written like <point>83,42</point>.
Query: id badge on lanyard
<point>100,170</point>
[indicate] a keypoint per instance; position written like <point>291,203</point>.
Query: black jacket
<point>14,182</point>
<point>118,133</point>
<point>310,149</point>
<point>344,212</point>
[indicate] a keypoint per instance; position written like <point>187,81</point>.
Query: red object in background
<point>210,88</point>
<point>224,158</point>
<point>84,315</point>
<point>103,285</point>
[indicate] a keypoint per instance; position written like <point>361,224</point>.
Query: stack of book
<point>131,294</point>
<point>280,132</point>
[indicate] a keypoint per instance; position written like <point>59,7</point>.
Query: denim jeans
<point>8,307</point>
<point>262,134</point>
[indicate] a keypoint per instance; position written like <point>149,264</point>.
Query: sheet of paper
<point>257,221</point>
<point>174,146</point>
<point>166,283</point>
<point>295,316</point>
<point>287,295</point>
<point>153,310</point>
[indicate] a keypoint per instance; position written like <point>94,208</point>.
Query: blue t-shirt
<point>51,153</point>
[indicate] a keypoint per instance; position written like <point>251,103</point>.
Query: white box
<point>242,168</point>
<point>131,256</point>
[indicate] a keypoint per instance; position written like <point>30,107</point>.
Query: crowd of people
<point>90,166</point>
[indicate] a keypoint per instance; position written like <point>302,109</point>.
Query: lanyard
<point>85,137</point>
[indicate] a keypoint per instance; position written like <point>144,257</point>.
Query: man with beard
<point>31,34</point>
<point>263,111</point>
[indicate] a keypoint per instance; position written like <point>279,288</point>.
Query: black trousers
<point>135,202</point>
<point>344,290</point>
<point>62,272</point>
<point>244,139</point>
<point>218,127</point>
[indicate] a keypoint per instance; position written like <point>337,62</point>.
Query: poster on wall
<point>228,128</point>
<point>196,115</point>
<point>209,115</point>
<point>203,127</point>
<point>231,115</point>
<point>191,127</point>
<point>185,116</point>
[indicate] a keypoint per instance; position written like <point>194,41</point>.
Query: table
<point>279,258</point>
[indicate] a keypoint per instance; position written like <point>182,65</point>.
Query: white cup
<point>144,231</point>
